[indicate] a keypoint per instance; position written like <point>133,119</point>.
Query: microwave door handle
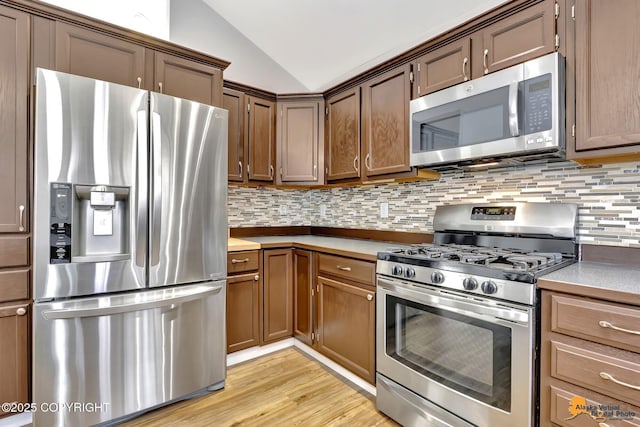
<point>513,109</point>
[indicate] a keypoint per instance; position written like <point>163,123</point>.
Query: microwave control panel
<point>538,102</point>
<point>60,223</point>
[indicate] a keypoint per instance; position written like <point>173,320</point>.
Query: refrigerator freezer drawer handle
<point>73,313</point>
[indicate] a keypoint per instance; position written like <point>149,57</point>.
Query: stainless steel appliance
<point>515,114</point>
<point>456,320</point>
<point>129,251</point>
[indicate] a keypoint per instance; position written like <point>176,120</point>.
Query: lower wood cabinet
<point>244,287</point>
<point>346,325</point>
<point>277,289</point>
<point>303,295</point>
<point>14,354</point>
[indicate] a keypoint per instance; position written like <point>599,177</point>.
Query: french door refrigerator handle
<point>72,313</point>
<point>141,188</point>
<point>156,211</point>
<point>513,108</point>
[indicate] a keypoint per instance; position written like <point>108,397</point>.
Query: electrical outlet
<point>384,210</point>
<point>283,209</point>
<point>323,211</point>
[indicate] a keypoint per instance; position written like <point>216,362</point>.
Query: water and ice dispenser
<point>89,223</point>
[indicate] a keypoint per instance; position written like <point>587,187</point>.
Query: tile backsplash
<point>608,197</point>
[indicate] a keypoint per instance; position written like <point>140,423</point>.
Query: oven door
<point>472,356</point>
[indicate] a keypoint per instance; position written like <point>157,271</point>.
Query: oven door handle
<point>454,302</point>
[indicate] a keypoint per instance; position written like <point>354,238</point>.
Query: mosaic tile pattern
<point>608,197</point>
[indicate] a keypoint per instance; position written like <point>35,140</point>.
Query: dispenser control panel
<point>60,223</point>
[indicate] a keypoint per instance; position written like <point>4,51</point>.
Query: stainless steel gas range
<point>456,326</point>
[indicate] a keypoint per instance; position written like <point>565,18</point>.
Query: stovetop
<point>508,264</point>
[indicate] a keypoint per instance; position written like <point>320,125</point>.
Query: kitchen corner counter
<point>611,282</point>
<point>356,248</point>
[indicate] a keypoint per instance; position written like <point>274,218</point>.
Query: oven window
<point>468,355</point>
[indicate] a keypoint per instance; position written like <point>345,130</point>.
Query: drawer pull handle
<point>237,261</point>
<point>606,324</point>
<point>606,376</point>
<point>21,311</point>
<point>343,268</point>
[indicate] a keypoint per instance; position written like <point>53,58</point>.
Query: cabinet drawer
<point>608,373</point>
<point>14,285</point>
<point>603,322</point>
<point>563,408</point>
<point>348,268</point>
<point>238,262</point>
<point>14,251</point>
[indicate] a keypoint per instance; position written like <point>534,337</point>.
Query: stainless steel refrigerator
<point>129,251</point>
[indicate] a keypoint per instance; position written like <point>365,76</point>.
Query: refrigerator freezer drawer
<point>102,358</point>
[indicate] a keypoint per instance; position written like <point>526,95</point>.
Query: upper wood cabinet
<point>299,151</point>
<point>607,37</point>
<point>234,102</point>
<point>91,54</point>
<point>187,79</point>
<point>14,94</point>
<point>527,34</point>
<point>262,139</point>
<point>342,137</point>
<point>444,67</point>
<point>385,123</point>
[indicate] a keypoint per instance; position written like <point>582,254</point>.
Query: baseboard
<point>255,352</point>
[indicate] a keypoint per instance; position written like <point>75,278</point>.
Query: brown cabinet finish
<point>262,138</point>
<point>243,311</point>
<point>234,102</point>
<point>91,54</point>
<point>14,251</point>
<point>607,78</point>
<point>187,79</point>
<point>343,135</point>
<point>303,296</point>
<point>385,122</point>
<point>443,67</point>
<point>582,358</point>
<point>277,294</point>
<point>241,262</point>
<point>346,326</point>
<point>14,95</point>
<point>14,285</point>
<point>347,268</point>
<point>14,356</point>
<point>298,141</point>
<point>524,35</point>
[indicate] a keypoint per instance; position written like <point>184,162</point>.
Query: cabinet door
<point>14,91</point>
<point>262,138</point>
<point>243,311</point>
<point>14,354</point>
<point>444,67</point>
<point>298,141</point>
<point>90,54</point>
<point>302,296</point>
<point>346,326</point>
<point>343,135</point>
<point>187,79</point>
<point>234,102</point>
<point>385,122</point>
<point>607,75</point>
<point>517,38</point>
<point>277,294</point>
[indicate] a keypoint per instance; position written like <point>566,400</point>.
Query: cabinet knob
<point>369,297</point>
<point>256,277</point>
<point>21,311</point>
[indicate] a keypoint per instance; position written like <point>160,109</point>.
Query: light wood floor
<point>286,388</point>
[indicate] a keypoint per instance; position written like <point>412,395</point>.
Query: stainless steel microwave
<point>515,114</point>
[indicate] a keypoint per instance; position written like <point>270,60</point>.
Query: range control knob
<point>396,270</point>
<point>437,277</point>
<point>409,273</point>
<point>489,287</point>
<point>470,283</point>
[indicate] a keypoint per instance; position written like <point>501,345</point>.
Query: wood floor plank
<point>287,388</point>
